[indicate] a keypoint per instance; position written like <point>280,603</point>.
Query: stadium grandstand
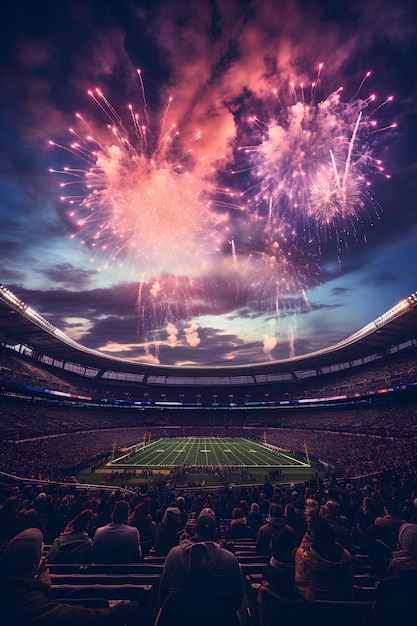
<point>53,387</point>
<point>331,434</point>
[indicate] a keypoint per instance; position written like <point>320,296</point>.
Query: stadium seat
<point>104,577</point>
<point>90,603</point>
<point>152,558</point>
<point>274,609</point>
<point>100,568</point>
<point>192,609</point>
<point>364,594</point>
<point>252,590</point>
<point>252,568</point>
<point>252,558</point>
<point>140,593</point>
<point>340,613</point>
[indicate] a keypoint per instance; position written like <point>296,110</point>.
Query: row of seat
<point>140,581</point>
<point>320,613</point>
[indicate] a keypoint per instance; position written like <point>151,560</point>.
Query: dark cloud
<point>340,291</point>
<point>69,277</point>
<point>58,304</point>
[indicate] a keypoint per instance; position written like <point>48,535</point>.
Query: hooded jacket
<point>25,600</point>
<point>263,538</point>
<point>73,547</point>
<point>202,567</point>
<point>319,578</point>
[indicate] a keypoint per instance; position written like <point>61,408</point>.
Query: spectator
<point>390,522</point>
<point>396,594</point>
<point>117,542</point>
<point>180,502</point>
<point>274,522</point>
<point>366,515</point>
<point>239,528</point>
<point>74,545</point>
<point>168,531</point>
<point>278,599</point>
<point>141,519</point>
<point>331,513</point>
<point>293,518</point>
<point>200,565</point>
<point>255,519</point>
<point>25,591</point>
<point>323,569</point>
<point>8,519</point>
<point>279,572</point>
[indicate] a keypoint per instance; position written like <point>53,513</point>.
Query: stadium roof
<point>19,324</point>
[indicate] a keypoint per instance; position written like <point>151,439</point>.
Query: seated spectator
<point>117,542</point>
<point>279,572</point>
<point>141,519</point>
<point>200,565</point>
<point>168,531</point>
<point>8,519</point>
<point>274,522</point>
<point>25,591</point>
<point>239,528</point>
<point>323,568</point>
<point>396,594</point>
<point>293,518</point>
<point>255,519</point>
<point>390,522</point>
<point>381,539</point>
<point>413,512</point>
<point>180,502</point>
<point>366,515</point>
<point>331,513</point>
<point>278,599</point>
<point>74,545</point>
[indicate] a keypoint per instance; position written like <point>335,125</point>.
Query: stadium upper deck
<point>25,330</point>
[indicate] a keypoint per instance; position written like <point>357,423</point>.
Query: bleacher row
<point>98,585</point>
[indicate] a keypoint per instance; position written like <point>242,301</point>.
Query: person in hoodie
<point>274,522</point>
<point>278,599</point>
<point>168,531</point>
<point>200,566</point>
<point>239,528</point>
<point>74,545</point>
<point>323,568</point>
<point>25,592</point>
<point>395,600</point>
<point>255,518</point>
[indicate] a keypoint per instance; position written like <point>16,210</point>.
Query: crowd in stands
<point>394,370</point>
<point>25,421</point>
<point>314,541</point>
<point>315,537</point>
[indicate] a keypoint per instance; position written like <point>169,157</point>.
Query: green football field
<point>204,452</point>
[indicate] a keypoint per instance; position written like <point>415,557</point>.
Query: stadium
<point>84,431</point>
<point>357,395</point>
<point>208,313</point>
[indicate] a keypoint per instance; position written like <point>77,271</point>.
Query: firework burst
<point>314,161</point>
<point>137,201</point>
<point>140,199</point>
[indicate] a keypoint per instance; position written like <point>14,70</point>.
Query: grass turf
<point>205,452</point>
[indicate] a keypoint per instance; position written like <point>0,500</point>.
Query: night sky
<point>249,196</point>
